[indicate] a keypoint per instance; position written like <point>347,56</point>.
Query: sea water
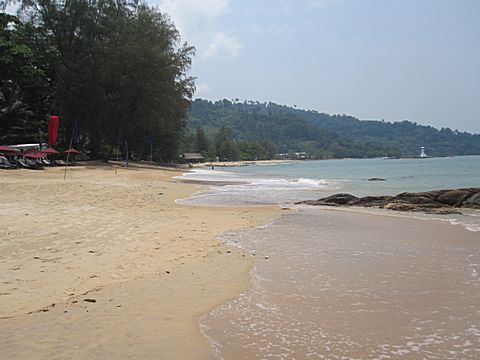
<point>351,290</point>
<point>290,182</point>
<point>330,287</point>
<point>277,183</point>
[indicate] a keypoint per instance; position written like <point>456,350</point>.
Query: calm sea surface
<point>350,284</point>
<point>285,182</point>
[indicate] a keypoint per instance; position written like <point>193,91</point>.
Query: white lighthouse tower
<point>422,152</point>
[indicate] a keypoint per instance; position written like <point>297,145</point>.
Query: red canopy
<point>50,150</point>
<point>32,153</point>
<point>5,148</point>
<point>72,150</point>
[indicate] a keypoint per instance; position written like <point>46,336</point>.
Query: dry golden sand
<point>119,239</point>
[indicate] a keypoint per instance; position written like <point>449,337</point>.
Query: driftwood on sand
<point>433,202</point>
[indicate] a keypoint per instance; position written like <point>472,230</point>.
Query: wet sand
<point>345,285</point>
<point>106,265</point>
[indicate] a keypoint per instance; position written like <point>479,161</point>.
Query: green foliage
<point>405,136</point>
<point>203,144</point>
<point>221,144</point>
<point>260,133</point>
<point>24,89</point>
<point>112,67</point>
<point>320,135</point>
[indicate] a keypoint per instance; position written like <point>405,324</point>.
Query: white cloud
<point>209,8</point>
<point>321,4</point>
<point>202,90</point>
<point>188,14</point>
<point>222,43</point>
<point>196,21</point>
<point>12,8</point>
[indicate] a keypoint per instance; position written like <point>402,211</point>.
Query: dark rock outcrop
<point>371,201</point>
<point>431,202</point>
<point>376,179</point>
<point>453,197</point>
<point>337,199</point>
<point>472,201</point>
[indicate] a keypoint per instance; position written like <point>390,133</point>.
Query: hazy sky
<point>415,60</point>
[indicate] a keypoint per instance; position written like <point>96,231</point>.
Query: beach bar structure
<point>193,158</point>
<point>23,148</point>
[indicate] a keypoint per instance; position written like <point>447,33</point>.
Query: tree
<point>225,146</point>
<point>116,66</point>
<point>24,89</point>
<point>13,114</point>
<point>202,144</point>
<point>323,136</point>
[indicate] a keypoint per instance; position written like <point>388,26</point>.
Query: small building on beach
<point>25,147</point>
<point>193,158</point>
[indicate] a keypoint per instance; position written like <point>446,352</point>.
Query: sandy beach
<point>105,265</point>
<point>222,164</point>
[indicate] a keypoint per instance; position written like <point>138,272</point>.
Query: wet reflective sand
<point>337,285</point>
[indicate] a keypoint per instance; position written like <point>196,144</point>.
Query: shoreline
<point>362,276</point>
<point>226,164</point>
<point>141,275</point>
<point>102,253</point>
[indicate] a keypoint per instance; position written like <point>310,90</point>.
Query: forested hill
<point>323,135</point>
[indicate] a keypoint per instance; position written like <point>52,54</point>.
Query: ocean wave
<point>243,182</point>
<point>312,182</point>
<point>475,227</point>
<point>209,175</point>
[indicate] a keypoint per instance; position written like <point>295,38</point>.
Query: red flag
<point>53,129</point>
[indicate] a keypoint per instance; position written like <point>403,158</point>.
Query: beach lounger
<point>28,164</point>
<point>5,164</point>
<point>23,164</point>
<point>46,162</point>
<point>60,162</point>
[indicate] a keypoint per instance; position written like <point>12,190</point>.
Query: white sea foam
<point>312,182</point>
<point>208,175</point>
<point>228,188</point>
<point>233,188</point>
<point>470,226</point>
<point>234,179</point>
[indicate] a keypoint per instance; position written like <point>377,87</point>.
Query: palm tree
<point>13,113</point>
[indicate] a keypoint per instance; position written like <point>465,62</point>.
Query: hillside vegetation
<point>326,136</point>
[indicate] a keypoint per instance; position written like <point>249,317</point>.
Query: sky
<point>416,60</point>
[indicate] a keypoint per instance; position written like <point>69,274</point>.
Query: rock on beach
<point>446,201</point>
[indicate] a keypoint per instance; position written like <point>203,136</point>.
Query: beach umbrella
<point>33,154</point>
<point>7,149</point>
<point>50,151</point>
<point>30,151</point>
<point>72,151</point>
